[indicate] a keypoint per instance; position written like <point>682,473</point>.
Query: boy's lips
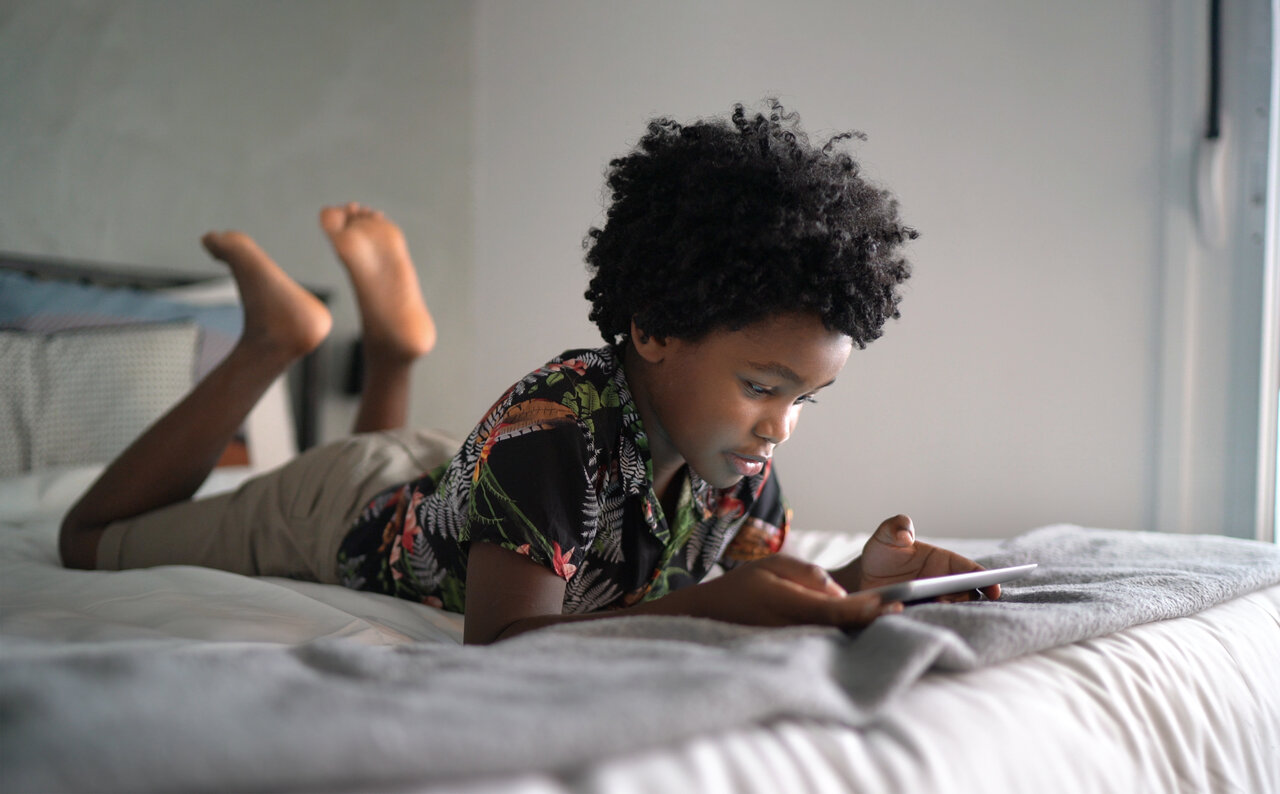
<point>746,465</point>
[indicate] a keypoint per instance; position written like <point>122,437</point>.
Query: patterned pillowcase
<point>81,396</point>
<point>47,306</point>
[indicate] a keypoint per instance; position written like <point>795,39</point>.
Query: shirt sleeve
<point>532,484</point>
<point>765,526</point>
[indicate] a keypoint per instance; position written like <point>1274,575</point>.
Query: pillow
<point>81,396</point>
<point>46,305</point>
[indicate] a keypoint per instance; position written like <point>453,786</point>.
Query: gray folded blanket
<point>169,716</point>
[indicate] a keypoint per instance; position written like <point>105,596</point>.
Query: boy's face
<point>722,403</point>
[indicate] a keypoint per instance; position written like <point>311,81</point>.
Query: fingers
<point>961,564</point>
<point>810,596</point>
<point>856,611</point>
<point>805,574</point>
<point>806,605</point>
<point>896,531</point>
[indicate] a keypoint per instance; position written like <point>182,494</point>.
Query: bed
<point>1127,662</point>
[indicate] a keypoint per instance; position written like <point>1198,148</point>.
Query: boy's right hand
<point>779,590</point>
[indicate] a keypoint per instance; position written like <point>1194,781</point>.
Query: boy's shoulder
<point>586,384</point>
<point>571,370</point>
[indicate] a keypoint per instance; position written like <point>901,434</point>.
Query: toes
<point>336,218</point>
<point>216,243</point>
<point>332,219</point>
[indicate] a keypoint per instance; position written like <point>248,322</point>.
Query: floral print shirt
<point>559,470</point>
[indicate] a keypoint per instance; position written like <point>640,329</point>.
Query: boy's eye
<point>756,390</point>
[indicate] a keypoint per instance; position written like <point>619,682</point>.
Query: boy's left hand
<point>894,555</point>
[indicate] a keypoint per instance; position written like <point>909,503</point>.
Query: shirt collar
<point>637,480</point>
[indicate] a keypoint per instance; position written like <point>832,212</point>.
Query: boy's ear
<point>651,348</point>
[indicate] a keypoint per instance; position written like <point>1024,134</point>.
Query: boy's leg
<point>288,522</point>
<point>397,328</point>
<point>172,458</point>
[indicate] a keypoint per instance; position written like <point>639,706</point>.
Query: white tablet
<point>933,587</point>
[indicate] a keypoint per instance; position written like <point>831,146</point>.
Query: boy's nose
<point>776,427</point>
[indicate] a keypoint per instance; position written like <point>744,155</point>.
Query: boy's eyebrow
<point>784,372</point>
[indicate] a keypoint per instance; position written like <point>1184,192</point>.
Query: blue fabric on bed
<point>31,304</point>
<point>46,306</point>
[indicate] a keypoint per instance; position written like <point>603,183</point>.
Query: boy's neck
<point>666,460</point>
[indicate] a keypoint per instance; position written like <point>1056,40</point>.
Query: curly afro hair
<point>725,222</point>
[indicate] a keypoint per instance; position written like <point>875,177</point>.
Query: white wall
<point>127,129</point>
<point>1027,140</point>
<point>1024,140</point>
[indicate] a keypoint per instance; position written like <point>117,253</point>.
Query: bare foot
<point>281,319</point>
<point>393,314</point>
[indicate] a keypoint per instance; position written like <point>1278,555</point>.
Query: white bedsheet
<point>1191,704</point>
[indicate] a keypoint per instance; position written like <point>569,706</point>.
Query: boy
<point>737,269</point>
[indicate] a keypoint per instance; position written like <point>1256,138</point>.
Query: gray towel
<point>1090,582</point>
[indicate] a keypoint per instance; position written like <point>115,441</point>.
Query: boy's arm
<point>892,554</point>
<point>508,594</point>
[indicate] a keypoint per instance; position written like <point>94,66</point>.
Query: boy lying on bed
<point>738,267</point>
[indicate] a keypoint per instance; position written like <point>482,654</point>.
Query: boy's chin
<point>722,480</point>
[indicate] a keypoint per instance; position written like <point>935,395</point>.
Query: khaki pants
<point>287,522</point>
